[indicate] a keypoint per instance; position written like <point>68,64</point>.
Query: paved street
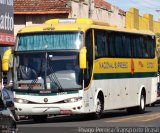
<point>111,121</point>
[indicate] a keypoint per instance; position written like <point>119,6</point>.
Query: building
<point>6,30</point>
<point>29,12</point>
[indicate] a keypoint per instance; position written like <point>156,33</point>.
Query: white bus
<point>81,66</point>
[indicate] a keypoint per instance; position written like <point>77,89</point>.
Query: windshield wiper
<point>54,78</point>
<point>32,83</point>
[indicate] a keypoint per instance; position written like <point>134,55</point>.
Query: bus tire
<point>39,118</point>
<point>141,108</point>
<point>99,107</point>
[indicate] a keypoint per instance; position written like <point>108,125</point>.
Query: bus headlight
<point>19,100</point>
<point>74,99</point>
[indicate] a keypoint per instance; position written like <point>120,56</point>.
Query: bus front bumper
<point>46,109</point>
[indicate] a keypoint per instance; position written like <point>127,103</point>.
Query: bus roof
<point>77,24</point>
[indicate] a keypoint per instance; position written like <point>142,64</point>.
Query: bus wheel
<point>141,107</point>
<point>99,108</point>
<point>138,109</point>
<point>39,118</point>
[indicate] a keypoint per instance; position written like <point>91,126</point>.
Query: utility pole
<point>90,8</point>
<point>158,11</point>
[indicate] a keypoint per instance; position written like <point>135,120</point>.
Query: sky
<point>144,6</point>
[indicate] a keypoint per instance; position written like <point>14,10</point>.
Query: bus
<point>82,66</point>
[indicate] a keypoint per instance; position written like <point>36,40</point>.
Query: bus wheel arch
<point>99,105</point>
<point>141,103</point>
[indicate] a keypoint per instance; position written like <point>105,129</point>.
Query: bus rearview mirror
<point>82,58</point>
<point>7,60</point>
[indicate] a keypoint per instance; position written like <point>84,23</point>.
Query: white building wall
<point>115,18</point>
<point>100,14</point>
<point>79,9</point>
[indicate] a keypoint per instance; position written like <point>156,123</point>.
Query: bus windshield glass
<point>49,41</point>
<point>47,71</point>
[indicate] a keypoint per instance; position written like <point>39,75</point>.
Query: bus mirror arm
<point>7,60</point>
<point>82,58</point>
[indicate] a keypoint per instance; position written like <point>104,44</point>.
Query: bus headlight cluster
<point>19,100</point>
<point>74,99</point>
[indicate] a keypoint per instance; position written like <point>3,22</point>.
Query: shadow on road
<point>80,118</point>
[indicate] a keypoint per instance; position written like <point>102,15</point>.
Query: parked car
<point>7,121</point>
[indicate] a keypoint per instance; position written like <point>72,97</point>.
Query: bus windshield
<point>47,71</point>
<point>49,41</point>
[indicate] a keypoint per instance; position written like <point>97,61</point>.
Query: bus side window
<point>148,46</point>
<point>138,47</point>
<point>111,44</point>
<point>127,45</point>
<point>145,53</point>
<point>151,46</point>
<point>133,49</point>
<point>106,44</point>
<point>118,45</point>
<point>100,43</point>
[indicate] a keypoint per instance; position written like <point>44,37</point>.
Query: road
<point>111,121</point>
